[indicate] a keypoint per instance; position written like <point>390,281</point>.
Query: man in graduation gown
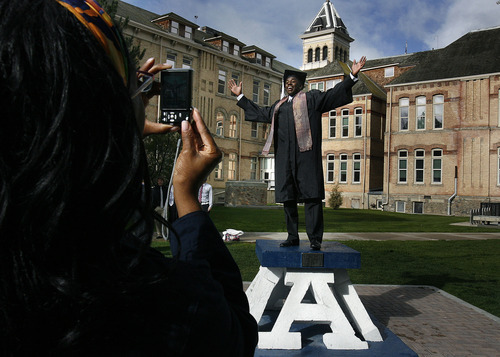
<point>296,130</point>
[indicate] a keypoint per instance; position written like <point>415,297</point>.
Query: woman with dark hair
<point>77,274</point>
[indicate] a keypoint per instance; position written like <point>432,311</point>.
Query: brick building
<point>216,58</point>
<point>423,132</point>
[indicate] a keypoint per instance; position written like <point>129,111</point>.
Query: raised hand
<point>356,66</point>
<point>234,87</point>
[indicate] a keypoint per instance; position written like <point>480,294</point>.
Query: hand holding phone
<point>176,95</point>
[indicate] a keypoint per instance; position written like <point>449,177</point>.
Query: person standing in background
<point>205,196</point>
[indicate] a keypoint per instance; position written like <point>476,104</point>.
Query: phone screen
<point>176,90</point>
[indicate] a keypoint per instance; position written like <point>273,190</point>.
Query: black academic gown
<point>299,175</point>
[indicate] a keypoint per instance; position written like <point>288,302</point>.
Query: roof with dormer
<point>327,19</point>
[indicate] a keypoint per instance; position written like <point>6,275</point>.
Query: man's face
<point>160,182</point>
<point>293,85</point>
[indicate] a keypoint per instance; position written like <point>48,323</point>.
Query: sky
<point>380,28</point>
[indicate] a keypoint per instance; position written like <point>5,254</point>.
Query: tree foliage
<point>335,200</point>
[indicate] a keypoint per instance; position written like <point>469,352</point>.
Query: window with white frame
<point>420,112</point>
<point>255,91</point>
<point>330,168</point>
<point>356,168</point>
<point>437,165</point>
<point>219,126</point>
<point>171,59</point>
<point>267,93</point>
<point>233,126</point>
<point>358,121</point>
<point>188,32</point>
<point>332,83</point>
<point>343,168</point>
<point>254,130</point>
<point>438,111</point>
<point>225,46</point>
<point>174,27</point>
<point>236,50</point>
<point>258,58</point>
<point>400,206</point>
<point>345,123</point>
<point>231,169</point>
<point>402,166</point>
<point>389,72</point>
<point>267,171</point>
<point>219,169</point>
<point>419,165</point>
<point>317,85</point>
<point>268,62</point>
<point>332,124</point>
<point>187,62</point>
<point>404,105</point>
<point>253,168</point>
<point>221,88</point>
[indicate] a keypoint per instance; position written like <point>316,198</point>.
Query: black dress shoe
<point>315,245</point>
<point>290,243</point>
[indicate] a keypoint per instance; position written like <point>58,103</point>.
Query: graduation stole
<point>301,119</point>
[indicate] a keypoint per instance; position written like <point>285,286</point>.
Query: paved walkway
<point>430,321</point>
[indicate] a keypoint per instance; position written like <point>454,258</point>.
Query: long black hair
<point>72,176</point>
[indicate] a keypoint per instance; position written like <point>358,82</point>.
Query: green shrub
<point>335,199</point>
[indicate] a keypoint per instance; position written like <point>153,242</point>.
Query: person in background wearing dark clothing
<point>296,129</point>
<point>159,198</point>
<point>77,274</point>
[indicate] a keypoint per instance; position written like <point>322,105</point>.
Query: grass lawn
<point>467,269</point>
<point>272,219</point>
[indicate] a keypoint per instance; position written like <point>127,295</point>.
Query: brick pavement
<point>432,322</point>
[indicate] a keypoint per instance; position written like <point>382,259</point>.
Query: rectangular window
<point>253,168</point>
<point>356,168</point>
<point>345,123</point>
<point>174,27</point>
<point>318,85</point>
<point>231,170</point>
<point>332,83</point>
<point>419,166</point>
<point>332,131</point>
<point>232,126</point>
<point>343,168</point>
<point>267,94</point>
<point>358,120</point>
<point>236,50</point>
<point>418,207</point>
<point>188,32</point>
<point>268,62</point>
<point>258,58</point>
<point>404,104</point>
<point>225,46</point>
<point>402,166</point>
<point>330,168</point>
<point>221,88</point>
<point>437,165</point>
<point>256,91</point>
<point>420,112</point>
<point>254,130</point>
<point>389,72</point>
<point>267,171</point>
<point>400,206</point>
<point>187,62</point>
<point>171,59</point>
<point>438,111</point>
<point>218,171</point>
<point>264,131</point>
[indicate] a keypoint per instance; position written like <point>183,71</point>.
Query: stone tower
<point>325,40</point>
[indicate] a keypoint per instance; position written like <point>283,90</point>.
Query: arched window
<point>233,124</point>
<point>325,53</point>
<point>310,55</point>
<point>219,127</point>
<point>317,55</point>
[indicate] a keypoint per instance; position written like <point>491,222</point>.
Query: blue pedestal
<point>333,255</point>
<point>333,322</point>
